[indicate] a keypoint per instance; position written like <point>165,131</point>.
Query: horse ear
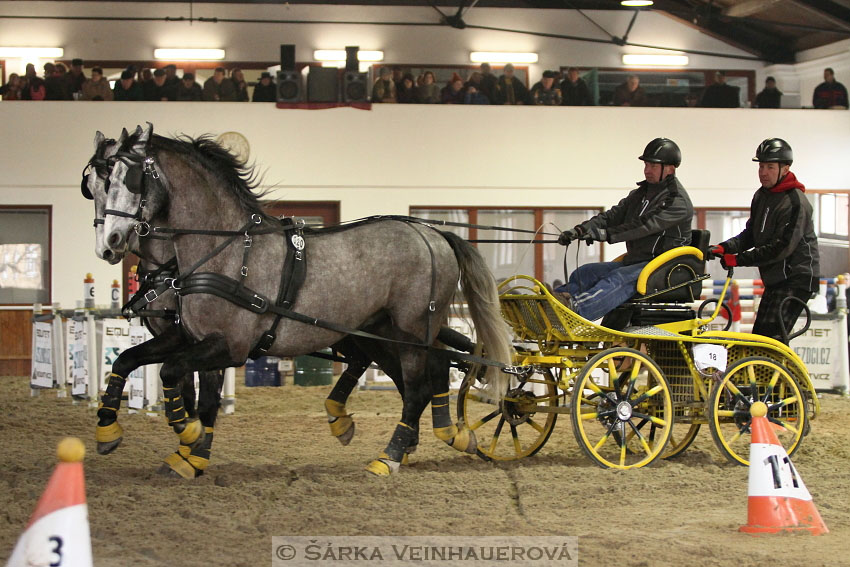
<point>98,138</point>
<point>123,136</point>
<point>144,136</point>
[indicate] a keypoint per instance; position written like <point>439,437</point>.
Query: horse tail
<point>479,288</point>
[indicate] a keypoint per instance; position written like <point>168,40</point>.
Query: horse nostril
<point>107,254</point>
<point>115,240</point>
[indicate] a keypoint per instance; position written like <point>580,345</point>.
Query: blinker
<point>133,179</point>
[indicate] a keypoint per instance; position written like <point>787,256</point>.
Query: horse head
<point>124,208</point>
<point>95,184</point>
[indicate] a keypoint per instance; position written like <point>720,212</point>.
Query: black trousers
<point>768,318</point>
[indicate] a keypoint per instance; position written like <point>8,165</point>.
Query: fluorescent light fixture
<point>170,54</point>
<point>635,3</point>
<point>502,57</point>
<point>339,55</point>
<point>646,60</point>
<point>30,52</point>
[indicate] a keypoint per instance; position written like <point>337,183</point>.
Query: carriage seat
<point>665,283</point>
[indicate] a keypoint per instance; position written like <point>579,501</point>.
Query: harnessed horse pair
<point>386,284</point>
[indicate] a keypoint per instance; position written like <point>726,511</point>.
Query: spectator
<point>630,93</point>
<point>32,87</point>
<point>489,84</point>
<point>511,89</point>
<point>219,88</point>
<point>770,96</point>
<point>12,89</point>
<point>189,89</point>
<point>239,83</point>
<point>75,78</point>
<point>172,82</point>
<point>128,88</point>
<point>398,77</point>
<point>544,92</point>
<point>719,94</point>
<point>97,88</point>
<point>574,91</point>
<point>473,94</point>
<point>830,93</point>
<point>48,70</point>
<point>453,92</point>
<point>406,90</point>
<point>428,92</point>
<point>265,90</point>
<point>384,88</point>
<point>145,76</point>
<point>56,83</point>
<point>155,88</point>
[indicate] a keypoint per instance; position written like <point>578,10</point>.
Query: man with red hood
<point>779,238</point>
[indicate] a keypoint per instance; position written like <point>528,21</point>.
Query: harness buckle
<point>299,222</point>
<point>248,240</point>
<point>262,305</point>
<point>266,341</point>
<point>256,218</point>
<point>172,282</point>
<point>432,306</point>
<point>142,228</point>
<point>299,255</point>
<point>518,370</point>
<point>151,296</point>
<point>244,271</point>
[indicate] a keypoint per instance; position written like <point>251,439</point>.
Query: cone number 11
<point>778,468</point>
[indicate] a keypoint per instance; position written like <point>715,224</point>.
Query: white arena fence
<point>73,350</point>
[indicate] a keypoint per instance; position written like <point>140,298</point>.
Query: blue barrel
<point>262,371</point>
<point>312,371</point>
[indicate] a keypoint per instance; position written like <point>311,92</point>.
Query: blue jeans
<point>598,288</point>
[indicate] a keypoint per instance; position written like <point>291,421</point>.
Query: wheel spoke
<point>496,435</point>
<point>751,372</point>
<point>535,425</point>
<point>783,403</point>
<point>484,419</point>
<point>644,444</point>
<point>656,420</point>
<point>517,445</point>
<point>612,371</point>
<point>784,425</point>
<point>770,385</point>
<point>725,413</point>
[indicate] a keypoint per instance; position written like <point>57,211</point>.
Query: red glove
<point>729,260</point>
<point>715,251</point>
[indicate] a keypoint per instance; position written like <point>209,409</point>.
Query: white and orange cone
<point>778,501</point>
<point>58,531</point>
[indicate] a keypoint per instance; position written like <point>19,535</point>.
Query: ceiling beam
<point>838,15</point>
<point>748,8</point>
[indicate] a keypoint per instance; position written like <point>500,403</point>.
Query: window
<point>24,254</point>
<point>831,215</point>
<point>543,261</point>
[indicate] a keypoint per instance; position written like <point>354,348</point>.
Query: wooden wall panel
<point>15,343</point>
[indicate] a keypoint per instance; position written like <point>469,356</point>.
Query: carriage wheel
<point>749,380</point>
<point>508,426</point>
<point>622,409</point>
<point>678,443</point>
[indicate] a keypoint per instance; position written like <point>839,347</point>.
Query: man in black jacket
<point>652,219</point>
<point>780,239</point>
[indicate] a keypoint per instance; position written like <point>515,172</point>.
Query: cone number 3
<point>57,550</point>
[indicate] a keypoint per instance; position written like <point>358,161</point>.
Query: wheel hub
<point>624,411</point>
<point>519,406</point>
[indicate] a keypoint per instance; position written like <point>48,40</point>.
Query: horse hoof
<point>176,466</point>
<point>106,448</point>
<point>346,437</point>
<point>383,467</point>
<point>108,437</point>
<point>472,446</point>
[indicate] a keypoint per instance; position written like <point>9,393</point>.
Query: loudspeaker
<point>287,57</point>
<point>351,62</point>
<point>354,87</point>
<point>323,84</point>
<point>288,86</point>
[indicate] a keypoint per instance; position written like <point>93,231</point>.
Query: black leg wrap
<point>110,402</point>
<point>440,411</point>
<point>344,387</point>
<point>402,438</point>
<point>174,410</point>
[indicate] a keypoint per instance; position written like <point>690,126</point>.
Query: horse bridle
<point>141,168</point>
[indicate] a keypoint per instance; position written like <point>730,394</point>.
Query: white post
<point>228,391</point>
<point>841,307</point>
<point>93,359</point>
<point>60,365</point>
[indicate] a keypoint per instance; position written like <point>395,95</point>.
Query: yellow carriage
<point>642,391</point>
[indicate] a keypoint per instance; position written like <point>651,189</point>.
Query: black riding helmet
<point>663,151</point>
<point>774,150</point>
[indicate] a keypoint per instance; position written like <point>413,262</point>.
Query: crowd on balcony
<point>393,85</point>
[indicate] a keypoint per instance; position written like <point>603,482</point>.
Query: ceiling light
<point>645,60</point>
<point>339,55</point>
<point>502,57</point>
<point>635,3</point>
<point>188,54</point>
<point>24,52</point>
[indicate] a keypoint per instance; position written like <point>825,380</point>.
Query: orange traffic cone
<point>778,499</point>
<point>58,531</point>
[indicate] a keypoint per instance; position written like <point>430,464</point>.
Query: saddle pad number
<point>710,356</point>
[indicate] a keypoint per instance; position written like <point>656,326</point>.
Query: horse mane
<point>238,178</point>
